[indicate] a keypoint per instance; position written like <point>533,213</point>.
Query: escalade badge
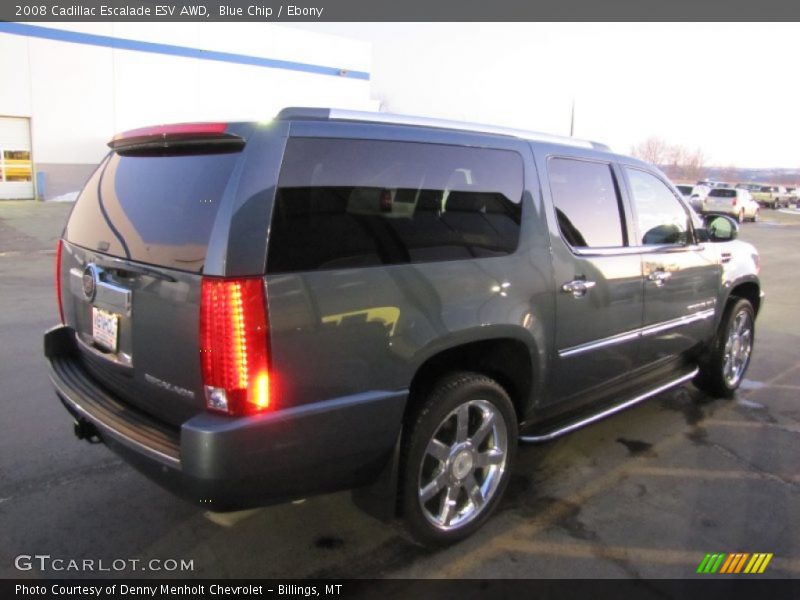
<point>170,387</point>
<point>89,281</point>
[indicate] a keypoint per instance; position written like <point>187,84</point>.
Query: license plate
<point>104,328</point>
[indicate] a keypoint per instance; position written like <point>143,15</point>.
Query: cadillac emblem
<point>90,281</point>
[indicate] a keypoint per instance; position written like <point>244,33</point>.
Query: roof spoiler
<point>176,135</point>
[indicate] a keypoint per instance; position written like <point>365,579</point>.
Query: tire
<point>741,216</point>
<point>722,370</point>
<point>755,216</point>
<point>445,495</point>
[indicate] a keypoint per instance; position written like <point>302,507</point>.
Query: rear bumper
<point>731,211</point>
<point>225,463</point>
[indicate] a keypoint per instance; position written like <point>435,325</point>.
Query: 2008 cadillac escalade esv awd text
<point>253,313</point>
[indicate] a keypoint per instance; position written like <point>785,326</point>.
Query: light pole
<point>572,119</point>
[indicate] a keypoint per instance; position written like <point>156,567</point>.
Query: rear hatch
<point>720,199</point>
<point>132,258</point>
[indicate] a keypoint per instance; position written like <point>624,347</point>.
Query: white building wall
<point>15,91</point>
<point>78,95</point>
<point>72,109</point>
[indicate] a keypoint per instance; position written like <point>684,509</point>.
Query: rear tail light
<point>733,202</point>
<point>58,281</point>
<point>234,349</point>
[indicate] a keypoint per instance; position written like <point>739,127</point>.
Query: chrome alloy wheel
<point>738,346</point>
<point>463,464</point>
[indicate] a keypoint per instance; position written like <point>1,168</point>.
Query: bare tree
<point>653,150</point>
<point>674,161</point>
<point>694,165</point>
<point>678,162</point>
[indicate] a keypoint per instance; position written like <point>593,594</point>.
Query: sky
<point>729,89</point>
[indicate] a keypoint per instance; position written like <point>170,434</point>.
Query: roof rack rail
<point>335,114</point>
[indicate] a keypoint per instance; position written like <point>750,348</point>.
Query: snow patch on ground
<point>68,197</point>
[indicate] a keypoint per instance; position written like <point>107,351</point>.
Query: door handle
<point>578,287</point>
<point>659,277</point>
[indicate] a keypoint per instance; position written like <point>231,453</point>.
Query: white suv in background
<point>693,194</point>
<point>737,203</point>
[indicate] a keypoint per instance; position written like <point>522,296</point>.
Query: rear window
<point>356,203</point>
<point>685,189</point>
<point>722,193</point>
<point>155,209</point>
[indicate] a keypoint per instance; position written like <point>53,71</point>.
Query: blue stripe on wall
<point>105,41</point>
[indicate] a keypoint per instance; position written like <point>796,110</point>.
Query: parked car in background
<point>772,196</point>
<point>714,184</point>
<point>752,208</point>
<point>693,194</point>
<point>794,197</point>
<point>737,203</point>
<point>686,190</point>
<point>701,191</point>
<point>782,197</point>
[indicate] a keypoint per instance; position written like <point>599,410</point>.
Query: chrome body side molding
<point>636,333</point>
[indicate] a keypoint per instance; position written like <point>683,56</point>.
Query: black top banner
<point>400,10</point>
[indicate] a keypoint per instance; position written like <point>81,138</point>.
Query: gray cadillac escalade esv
<point>256,312</point>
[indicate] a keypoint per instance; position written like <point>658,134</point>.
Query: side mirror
<point>718,228</point>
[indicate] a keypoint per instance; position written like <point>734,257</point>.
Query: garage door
<point>16,170</point>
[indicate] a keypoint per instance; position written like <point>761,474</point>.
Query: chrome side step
<point>537,439</point>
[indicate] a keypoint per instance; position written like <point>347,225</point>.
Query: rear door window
<point>354,203</point>
<point>587,203</point>
<point>151,208</point>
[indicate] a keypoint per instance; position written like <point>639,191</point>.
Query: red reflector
<point>386,201</point>
<point>175,129</point>
<point>233,345</point>
<point>58,281</point>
